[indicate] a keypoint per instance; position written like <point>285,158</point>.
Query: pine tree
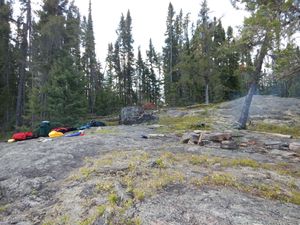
<point>90,62</point>
<point>7,75</point>
<point>110,77</point>
<point>118,71</point>
<point>268,23</point>
<point>107,99</point>
<point>140,77</point>
<point>206,32</point>
<point>227,60</point>
<point>23,60</point>
<point>47,47</point>
<point>67,100</point>
<point>125,60</point>
<point>169,58</point>
<point>129,70</point>
<point>153,65</point>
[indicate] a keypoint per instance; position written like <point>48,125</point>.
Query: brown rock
<point>217,137</point>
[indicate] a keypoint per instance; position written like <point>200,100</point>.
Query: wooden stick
<point>200,138</point>
<point>275,134</point>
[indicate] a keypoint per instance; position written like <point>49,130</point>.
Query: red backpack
<point>22,136</point>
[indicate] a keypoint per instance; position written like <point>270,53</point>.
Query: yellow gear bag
<point>55,134</point>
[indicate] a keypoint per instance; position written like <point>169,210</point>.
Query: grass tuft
<point>182,124</point>
<point>113,198</point>
<point>276,128</point>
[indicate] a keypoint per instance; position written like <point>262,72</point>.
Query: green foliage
<point>113,198</point>
<point>139,194</point>
<point>160,163</point>
<point>107,102</point>
<point>7,68</point>
<point>100,210</point>
<point>203,68</point>
<point>67,102</point>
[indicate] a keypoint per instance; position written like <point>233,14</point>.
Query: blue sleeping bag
<point>73,135</point>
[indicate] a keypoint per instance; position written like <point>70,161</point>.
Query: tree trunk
<point>256,76</point>
<point>246,107</point>
<point>206,94</point>
<point>21,94</point>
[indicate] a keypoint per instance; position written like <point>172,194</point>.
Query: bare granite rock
<point>114,175</point>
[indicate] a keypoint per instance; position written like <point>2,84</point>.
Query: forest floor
<point>114,176</point>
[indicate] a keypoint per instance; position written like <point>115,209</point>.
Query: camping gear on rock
<point>55,134</point>
<point>94,123</point>
<point>44,129</point>
<point>79,133</point>
<point>64,129</point>
<point>83,127</point>
<point>43,140</point>
<point>11,140</point>
<point>22,136</point>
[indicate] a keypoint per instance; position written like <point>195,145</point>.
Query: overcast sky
<point>148,19</point>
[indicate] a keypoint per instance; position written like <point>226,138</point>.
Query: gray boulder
<point>135,115</point>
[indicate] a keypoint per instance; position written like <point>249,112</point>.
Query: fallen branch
<point>275,134</point>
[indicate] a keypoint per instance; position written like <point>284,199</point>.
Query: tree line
<point>49,69</point>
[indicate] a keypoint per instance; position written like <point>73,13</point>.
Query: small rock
<point>229,145</point>
<point>156,135</point>
<point>243,144</point>
<point>185,138</point>
<point>155,126</point>
<point>189,136</point>
<point>284,146</point>
<point>194,138</point>
<point>295,146</point>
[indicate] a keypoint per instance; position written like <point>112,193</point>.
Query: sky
<point>148,19</point>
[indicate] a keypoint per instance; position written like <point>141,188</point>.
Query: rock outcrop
<point>135,115</point>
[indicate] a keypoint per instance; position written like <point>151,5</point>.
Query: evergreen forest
<point>49,68</point>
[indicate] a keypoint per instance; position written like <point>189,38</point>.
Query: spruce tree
<point>168,57</point>
<point>48,43</point>
<point>23,59</point>
<point>205,27</point>
<point>7,63</point>
<point>153,65</point>
<point>67,83</point>
<point>90,62</point>
<point>140,77</point>
<point>124,60</point>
